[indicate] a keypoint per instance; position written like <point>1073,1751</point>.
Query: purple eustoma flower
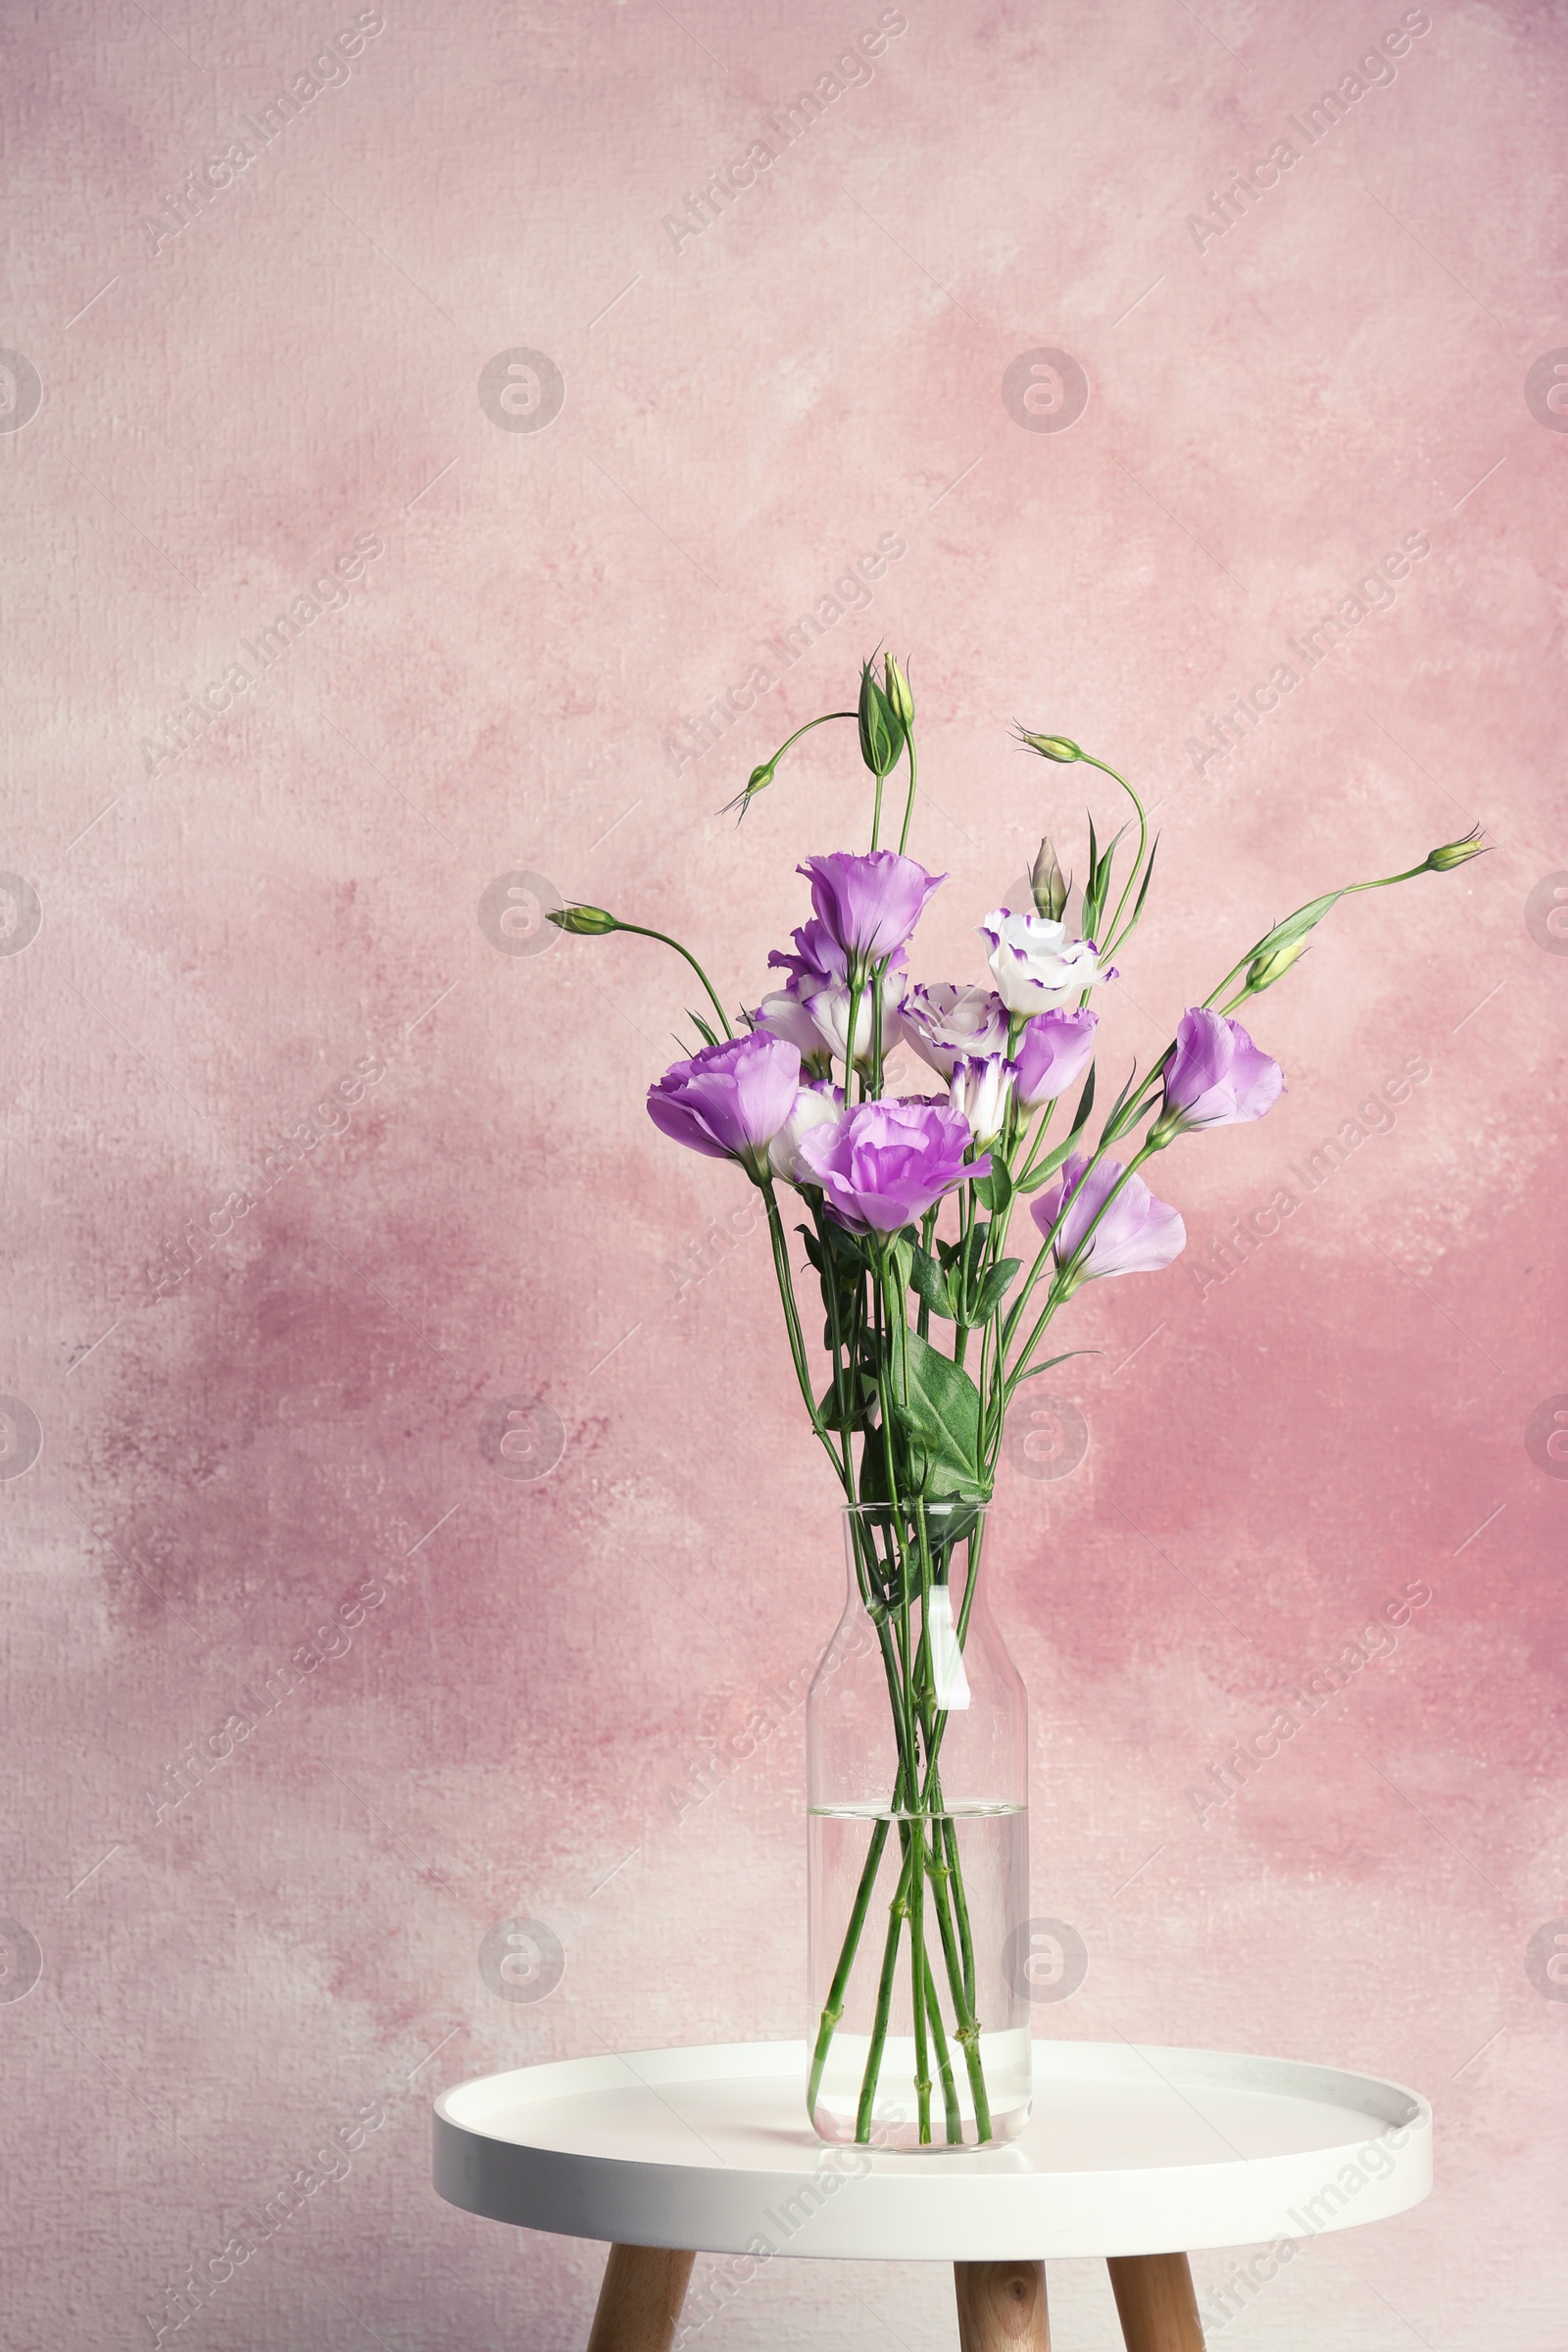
<point>885,1164</point>
<point>1217,1077</point>
<point>729,1101</point>
<point>1053,1051</point>
<point>818,962</point>
<point>870,906</point>
<point>1136,1235</point>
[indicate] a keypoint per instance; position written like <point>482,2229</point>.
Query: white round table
<point>1136,2154</point>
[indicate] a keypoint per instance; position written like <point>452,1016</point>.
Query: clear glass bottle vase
<point>917,1752</point>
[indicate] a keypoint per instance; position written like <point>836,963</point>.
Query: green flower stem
<point>967,2035</point>
<point>918,1987</point>
<point>909,806</point>
<point>744,798</point>
<point>961,1907</point>
<point>841,1371</point>
<point>878,974</point>
<point>920,1682</point>
<point>854,982</point>
<point>1063,1282</point>
<point>1038,1138</point>
<point>904,1782</point>
<point>958,1953</point>
<point>898,1912</point>
<point>1330,900</point>
<point>952,2119</point>
<point>1015,1313</point>
<point>1143,1102</point>
<point>640,931</point>
<point>1115,937</point>
<point>833,2009</point>
<point>792,1325</point>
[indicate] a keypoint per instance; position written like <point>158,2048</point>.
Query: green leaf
<point>1143,888</point>
<point>847,1246</point>
<point>859,1393</point>
<point>994,1290</point>
<point>1054,1361</point>
<point>701,1027</point>
<point>1297,925</point>
<point>940,1420</point>
<point>996,1189</point>
<point>930,1283</point>
<point>1090,908</point>
<point>873,1479</point>
<point>1048,1167</point>
<point>949,1252</point>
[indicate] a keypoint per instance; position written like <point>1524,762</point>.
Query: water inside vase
<point>975,1895</point>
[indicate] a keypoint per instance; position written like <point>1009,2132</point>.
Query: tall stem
<point>898,1912</point>
<point>909,806</point>
<point>833,2008</point>
<point>640,931</point>
<point>952,2117</point>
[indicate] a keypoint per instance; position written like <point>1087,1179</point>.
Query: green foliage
<point>936,1408</point>
<point>995,1192</point>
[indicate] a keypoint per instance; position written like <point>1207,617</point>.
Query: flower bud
<point>583,922</point>
<point>1456,853</point>
<point>1052,747</point>
<point>759,779</point>
<point>898,695</point>
<point>1272,964</point>
<point>881,731</point>
<point>1047,883</point>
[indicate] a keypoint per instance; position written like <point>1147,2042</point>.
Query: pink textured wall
<point>280,928</point>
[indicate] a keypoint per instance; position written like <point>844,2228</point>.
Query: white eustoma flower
<point>980,1091</point>
<point>944,1022</point>
<point>815,1107</point>
<point>816,1020</point>
<point>1035,964</point>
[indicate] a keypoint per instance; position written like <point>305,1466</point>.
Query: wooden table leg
<point>639,2303</point>
<point>1002,2306</point>
<point>1156,2302</point>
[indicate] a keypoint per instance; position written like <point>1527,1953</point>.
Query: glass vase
<point>917,1750</point>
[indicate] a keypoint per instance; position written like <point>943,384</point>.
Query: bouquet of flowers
<point>929,1321</point>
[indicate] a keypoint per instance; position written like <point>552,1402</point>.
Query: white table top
<point>1128,2150</point>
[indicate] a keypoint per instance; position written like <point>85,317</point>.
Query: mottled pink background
<point>227,935</point>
